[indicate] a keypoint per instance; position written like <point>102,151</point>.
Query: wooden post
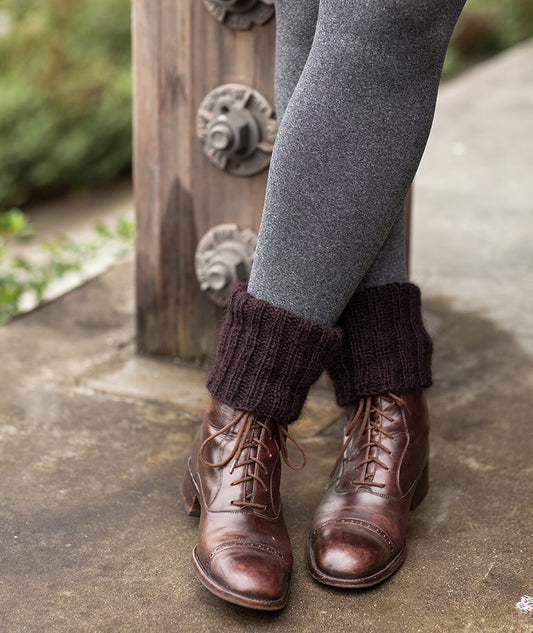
<point>408,207</point>
<point>180,54</point>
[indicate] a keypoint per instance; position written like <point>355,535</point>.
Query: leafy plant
<point>487,27</point>
<point>23,279</point>
<point>65,95</point>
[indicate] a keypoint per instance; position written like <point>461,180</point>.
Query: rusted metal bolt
<point>225,269</point>
<point>223,257</point>
<point>220,136</point>
<point>234,132</point>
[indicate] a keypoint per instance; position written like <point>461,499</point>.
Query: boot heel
<point>190,494</point>
<point>421,489</point>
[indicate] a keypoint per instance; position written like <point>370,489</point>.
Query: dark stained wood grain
<point>408,207</point>
<point>181,53</point>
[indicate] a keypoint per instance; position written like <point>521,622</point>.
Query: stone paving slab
<point>473,197</point>
<point>94,536</point>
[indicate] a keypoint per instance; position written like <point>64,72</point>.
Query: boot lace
<point>365,425</point>
<point>248,437</point>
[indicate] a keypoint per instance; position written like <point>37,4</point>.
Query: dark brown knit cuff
<point>267,358</point>
<point>385,345</point>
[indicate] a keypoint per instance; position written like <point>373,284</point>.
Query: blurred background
<point>65,87</point>
<point>65,115</point>
<point>65,96</point>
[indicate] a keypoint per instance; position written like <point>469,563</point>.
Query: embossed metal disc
<point>237,127</point>
<point>223,257</point>
<point>240,14</point>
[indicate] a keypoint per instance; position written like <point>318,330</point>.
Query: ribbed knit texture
<point>385,345</point>
<point>267,358</point>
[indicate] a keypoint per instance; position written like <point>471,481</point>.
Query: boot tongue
<point>220,415</point>
<point>251,468</point>
<point>375,434</point>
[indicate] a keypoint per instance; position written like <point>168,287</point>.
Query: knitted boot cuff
<point>267,358</point>
<point>385,346</point>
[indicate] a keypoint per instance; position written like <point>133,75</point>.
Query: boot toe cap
<point>250,575</point>
<point>348,553</point>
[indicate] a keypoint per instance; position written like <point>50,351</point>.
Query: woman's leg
<point>295,30</point>
<point>358,533</point>
<point>265,362</point>
<point>348,146</point>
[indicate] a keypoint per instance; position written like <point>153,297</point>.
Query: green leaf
<point>12,222</point>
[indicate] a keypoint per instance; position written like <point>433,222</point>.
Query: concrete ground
<point>93,439</point>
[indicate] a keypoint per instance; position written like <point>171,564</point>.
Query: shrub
<point>65,95</point>
<point>24,280</point>
<point>487,27</point>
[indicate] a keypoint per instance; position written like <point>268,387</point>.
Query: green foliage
<point>21,278</point>
<point>487,27</point>
<point>13,223</point>
<point>65,95</point>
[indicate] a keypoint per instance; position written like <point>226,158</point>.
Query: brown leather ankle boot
<point>232,482</point>
<point>358,534</point>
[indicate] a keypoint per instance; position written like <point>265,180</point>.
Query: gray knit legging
<point>356,83</point>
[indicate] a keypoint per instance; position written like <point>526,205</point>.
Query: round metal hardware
<point>223,257</point>
<point>237,127</point>
<point>240,14</point>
